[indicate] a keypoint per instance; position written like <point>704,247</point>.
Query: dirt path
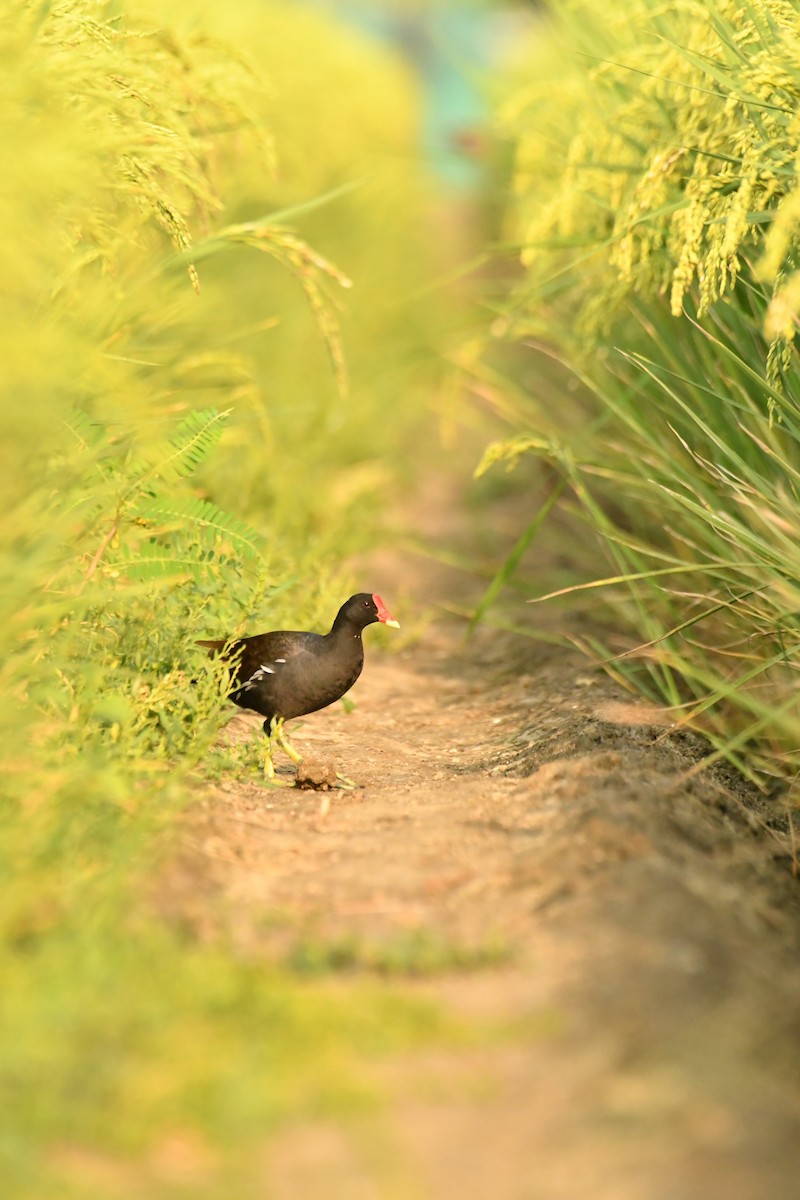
<point>537,848</point>
<point>539,844</point>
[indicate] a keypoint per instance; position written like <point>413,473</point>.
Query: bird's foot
<point>269,772</point>
<point>342,781</point>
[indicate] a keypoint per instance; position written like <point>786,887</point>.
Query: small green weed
<point>417,953</point>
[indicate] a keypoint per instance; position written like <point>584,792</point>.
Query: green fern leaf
<point>87,431</point>
<point>195,438</point>
<point>152,562</point>
<point>177,511</point>
<point>190,444</point>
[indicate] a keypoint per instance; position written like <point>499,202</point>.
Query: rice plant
<point>656,179</point>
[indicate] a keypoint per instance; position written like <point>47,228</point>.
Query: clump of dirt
<point>315,774</point>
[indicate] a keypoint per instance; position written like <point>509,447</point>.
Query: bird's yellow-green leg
<point>276,728</point>
<point>269,765</point>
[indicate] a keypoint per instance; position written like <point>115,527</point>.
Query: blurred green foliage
<point>656,208</point>
<point>175,426</point>
<point>344,114</point>
<point>416,953</point>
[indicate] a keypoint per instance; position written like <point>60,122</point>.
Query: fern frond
<point>177,511</point>
<point>85,429</point>
<point>191,443</point>
<point>153,562</point>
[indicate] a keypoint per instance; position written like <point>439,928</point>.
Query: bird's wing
<point>267,654</point>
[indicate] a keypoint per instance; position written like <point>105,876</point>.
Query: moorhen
<point>287,674</point>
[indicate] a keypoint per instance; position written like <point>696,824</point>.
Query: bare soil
<point>635,922</point>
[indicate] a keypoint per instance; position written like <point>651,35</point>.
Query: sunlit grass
<point>659,218</point>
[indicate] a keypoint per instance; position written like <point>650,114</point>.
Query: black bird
<point>289,673</point>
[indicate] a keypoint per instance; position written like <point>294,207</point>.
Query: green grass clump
<point>656,181</point>
<point>418,953</point>
<point>161,1037</point>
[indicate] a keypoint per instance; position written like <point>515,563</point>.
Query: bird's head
<point>366,608</point>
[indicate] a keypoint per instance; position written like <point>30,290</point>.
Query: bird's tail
<point>212,646</point>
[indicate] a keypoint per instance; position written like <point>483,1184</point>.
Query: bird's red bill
<point>384,614</point>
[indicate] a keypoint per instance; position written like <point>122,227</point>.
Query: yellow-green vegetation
<point>172,420</point>
<point>657,210</point>
<point>344,119</point>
